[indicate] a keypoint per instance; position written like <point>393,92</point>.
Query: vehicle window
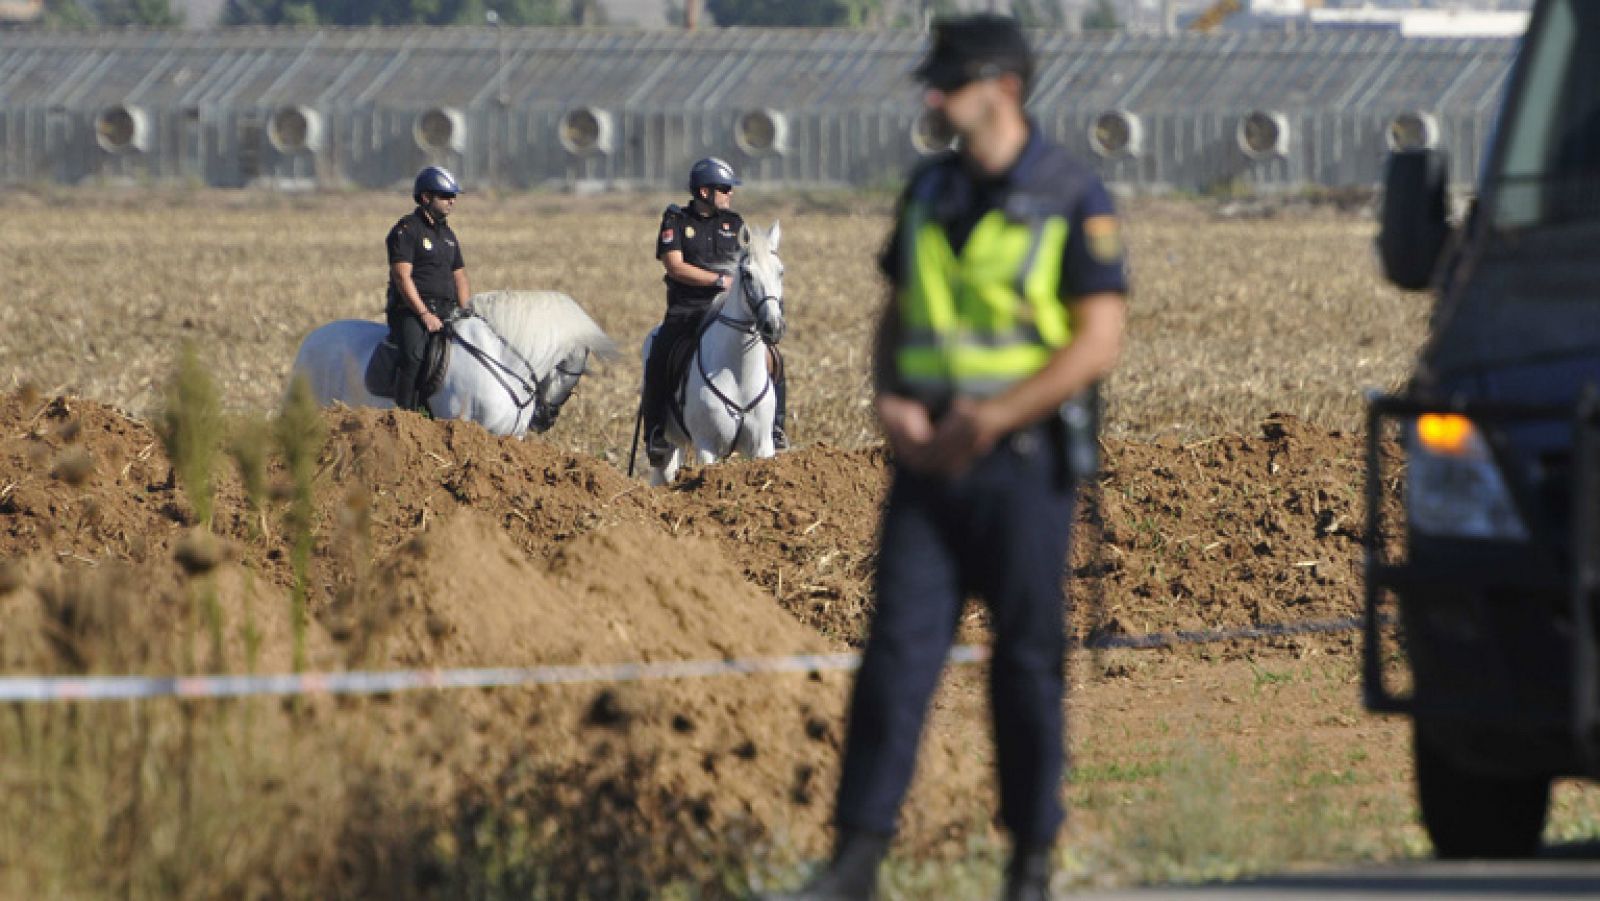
<point>1550,171</point>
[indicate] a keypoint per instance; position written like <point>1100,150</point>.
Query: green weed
<point>301,434</point>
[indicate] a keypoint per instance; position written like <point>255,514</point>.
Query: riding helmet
<point>710,172</point>
<point>434,180</point>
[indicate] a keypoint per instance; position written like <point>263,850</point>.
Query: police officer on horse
<point>427,277</point>
<point>698,245</point>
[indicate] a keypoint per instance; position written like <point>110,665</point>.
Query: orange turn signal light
<point>1445,433</point>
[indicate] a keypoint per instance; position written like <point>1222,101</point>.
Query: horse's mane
<point>543,326</point>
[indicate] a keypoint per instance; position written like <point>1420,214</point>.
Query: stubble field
<point>1231,319</point>
<point>1230,498</point>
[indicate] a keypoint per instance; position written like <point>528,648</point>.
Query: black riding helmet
<point>969,48</point>
<point>434,180</point>
<point>711,172</point>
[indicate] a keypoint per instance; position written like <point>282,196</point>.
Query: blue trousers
<point>1001,532</point>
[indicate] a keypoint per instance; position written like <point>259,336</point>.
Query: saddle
<point>679,356</point>
<point>383,370</point>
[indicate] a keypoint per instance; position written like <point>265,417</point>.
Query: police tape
<point>382,682</point>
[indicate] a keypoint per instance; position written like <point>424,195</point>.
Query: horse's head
<point>761,281</point>
<point>557,386</point>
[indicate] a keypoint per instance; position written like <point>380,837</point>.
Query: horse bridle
<point>498,370</point>
<point>753,304</point>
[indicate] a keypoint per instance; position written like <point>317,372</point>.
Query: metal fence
<point>541,107</point>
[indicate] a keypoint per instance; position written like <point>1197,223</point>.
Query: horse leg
<point>705,456</point>
<point>758,429</point>
<point>668,470</point>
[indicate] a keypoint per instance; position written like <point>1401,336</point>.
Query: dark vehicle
<point>1488,583</point>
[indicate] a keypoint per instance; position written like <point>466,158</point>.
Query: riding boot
<point>780,416</point>
<point>1028,875</point>
<point>851,876</point>
<point>656,446</point>
<point>656,396</point>
<point>405,394</point>
<point>411,338</point>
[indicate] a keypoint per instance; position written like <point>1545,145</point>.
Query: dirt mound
<point>755,756</point>
<point>440,545</point>
<point>1229,531</point>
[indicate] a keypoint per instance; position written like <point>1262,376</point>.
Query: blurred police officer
<point>427,277</point>
<point>698,245</point>
<point>1008,306</point>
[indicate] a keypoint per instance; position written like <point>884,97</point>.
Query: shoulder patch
<point>666,236</point>
<point>1103,236</point>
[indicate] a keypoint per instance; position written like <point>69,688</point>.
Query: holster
<point>1078,436</point>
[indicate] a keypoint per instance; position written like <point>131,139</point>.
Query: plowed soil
<point>439,545</point>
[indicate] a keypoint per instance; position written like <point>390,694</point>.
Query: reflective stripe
<point>931,367</point>
<point>1023,333</point>
<point>984,318</point>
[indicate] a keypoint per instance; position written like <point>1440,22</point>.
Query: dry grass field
<point>433,544</point>
<point>1231,320</point>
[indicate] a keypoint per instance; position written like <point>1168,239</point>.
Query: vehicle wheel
<point>1472,815</point>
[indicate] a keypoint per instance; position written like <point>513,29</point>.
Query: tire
<point>1471,815</point>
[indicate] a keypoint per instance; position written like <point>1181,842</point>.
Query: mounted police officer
<point>427,276</point>
<point>1008,307</point>
<point>698,245</point>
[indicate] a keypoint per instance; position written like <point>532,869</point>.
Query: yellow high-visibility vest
<point>976,322</point>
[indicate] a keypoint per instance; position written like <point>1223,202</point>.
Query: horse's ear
<point>744,236</point>
<point>772,236</point>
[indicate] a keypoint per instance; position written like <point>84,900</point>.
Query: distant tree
<point>912,13</point>
<point>1039,13</point>
<point>299,13</point>
<point>66,15</point>
<point>138,14</point>
<point>359,13</point>
<point>789,13</point>
<point>1101,17</point>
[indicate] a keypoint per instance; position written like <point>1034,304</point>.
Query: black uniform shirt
<point>434,254</point>
<point>710,242</point>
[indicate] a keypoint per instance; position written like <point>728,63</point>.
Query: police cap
<point>969,48</point>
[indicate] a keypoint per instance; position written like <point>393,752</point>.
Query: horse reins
<point>497,370</point>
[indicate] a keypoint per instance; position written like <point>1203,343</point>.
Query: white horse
<point>729,399</point>
<point>513,363</point>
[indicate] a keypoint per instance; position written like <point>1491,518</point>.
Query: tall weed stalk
<point>191,428</point>
<point>249,439</point>
<point>301,434</point>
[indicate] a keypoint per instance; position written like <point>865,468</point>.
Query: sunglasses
<point>724,189</point>
<point>445,196</point>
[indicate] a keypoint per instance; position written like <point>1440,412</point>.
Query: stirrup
<point>656,446</point>
<point>780,439</point>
